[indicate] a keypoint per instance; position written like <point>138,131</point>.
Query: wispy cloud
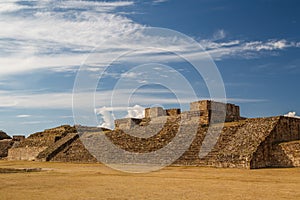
<point>56,34</point>
<point>219,47</point>
<point>64,100</point>
<point>245,49</point>
<point>159,1</point>
<point>28,100</point>
<point>11,6</point>
<point>23,116</point>
<point>36,122</point>
<point>269,45</point>
<point>66,117</point>
<point>130,75</point>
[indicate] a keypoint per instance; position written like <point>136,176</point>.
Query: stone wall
<point>24,153</point>
<point>286,154</point>
<point>268,153</point>
<point>232,113</point>
<point>127,123</point>
<point>196,116</point>
<point>5,145</point>
<point>215,111</point>
<point>31,147</point>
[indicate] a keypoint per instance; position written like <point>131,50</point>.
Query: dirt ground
<point>95,181</point>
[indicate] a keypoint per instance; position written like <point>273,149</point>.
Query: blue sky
<point>254,44</point>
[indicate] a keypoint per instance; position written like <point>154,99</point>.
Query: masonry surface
<point>240,142</point>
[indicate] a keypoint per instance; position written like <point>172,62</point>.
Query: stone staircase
<point>59,145</point>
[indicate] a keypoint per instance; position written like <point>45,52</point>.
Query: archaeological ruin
<point>241,143</point>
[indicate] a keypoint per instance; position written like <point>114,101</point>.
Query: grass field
<point>95,181</point>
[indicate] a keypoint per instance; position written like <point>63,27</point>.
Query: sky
<point>45,44</point>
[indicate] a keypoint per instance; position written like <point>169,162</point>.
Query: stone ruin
<point>243,143</point>
<point>49,145</point>
<point>200,112</point>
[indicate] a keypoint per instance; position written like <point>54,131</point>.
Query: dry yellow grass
<point>94,181</point>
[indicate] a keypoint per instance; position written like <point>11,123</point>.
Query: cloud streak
<point>159,1</point>
<point>240,48</point>
<point>63,100</point>
<point>23,116</point>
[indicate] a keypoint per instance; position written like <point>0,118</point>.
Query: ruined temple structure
<point>200,112</point>
<point>242,143</point>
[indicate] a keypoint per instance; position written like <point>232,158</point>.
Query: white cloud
<point>210,44</point>
<point>66,116</point>
<point>107,118</point>
<point>136,111</point>
<point>130,75</point>
<point>6,7</point>
<point>107,114</point>
<point>245,49</point>
<point>103,6</point>
<point>269,45</point>
<point>292,114</point>
<point>23,116</point>
<point>159,1</point>
<point>48,5</point>
<point>45,38</point>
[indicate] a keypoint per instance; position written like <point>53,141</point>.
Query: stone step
<point>52,150</point>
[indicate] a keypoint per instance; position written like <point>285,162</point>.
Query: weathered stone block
<point>154,112</point>
<point>173,112</point>
<point>126,123</point>
<point>215,111</point>
<point>18,138</point>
